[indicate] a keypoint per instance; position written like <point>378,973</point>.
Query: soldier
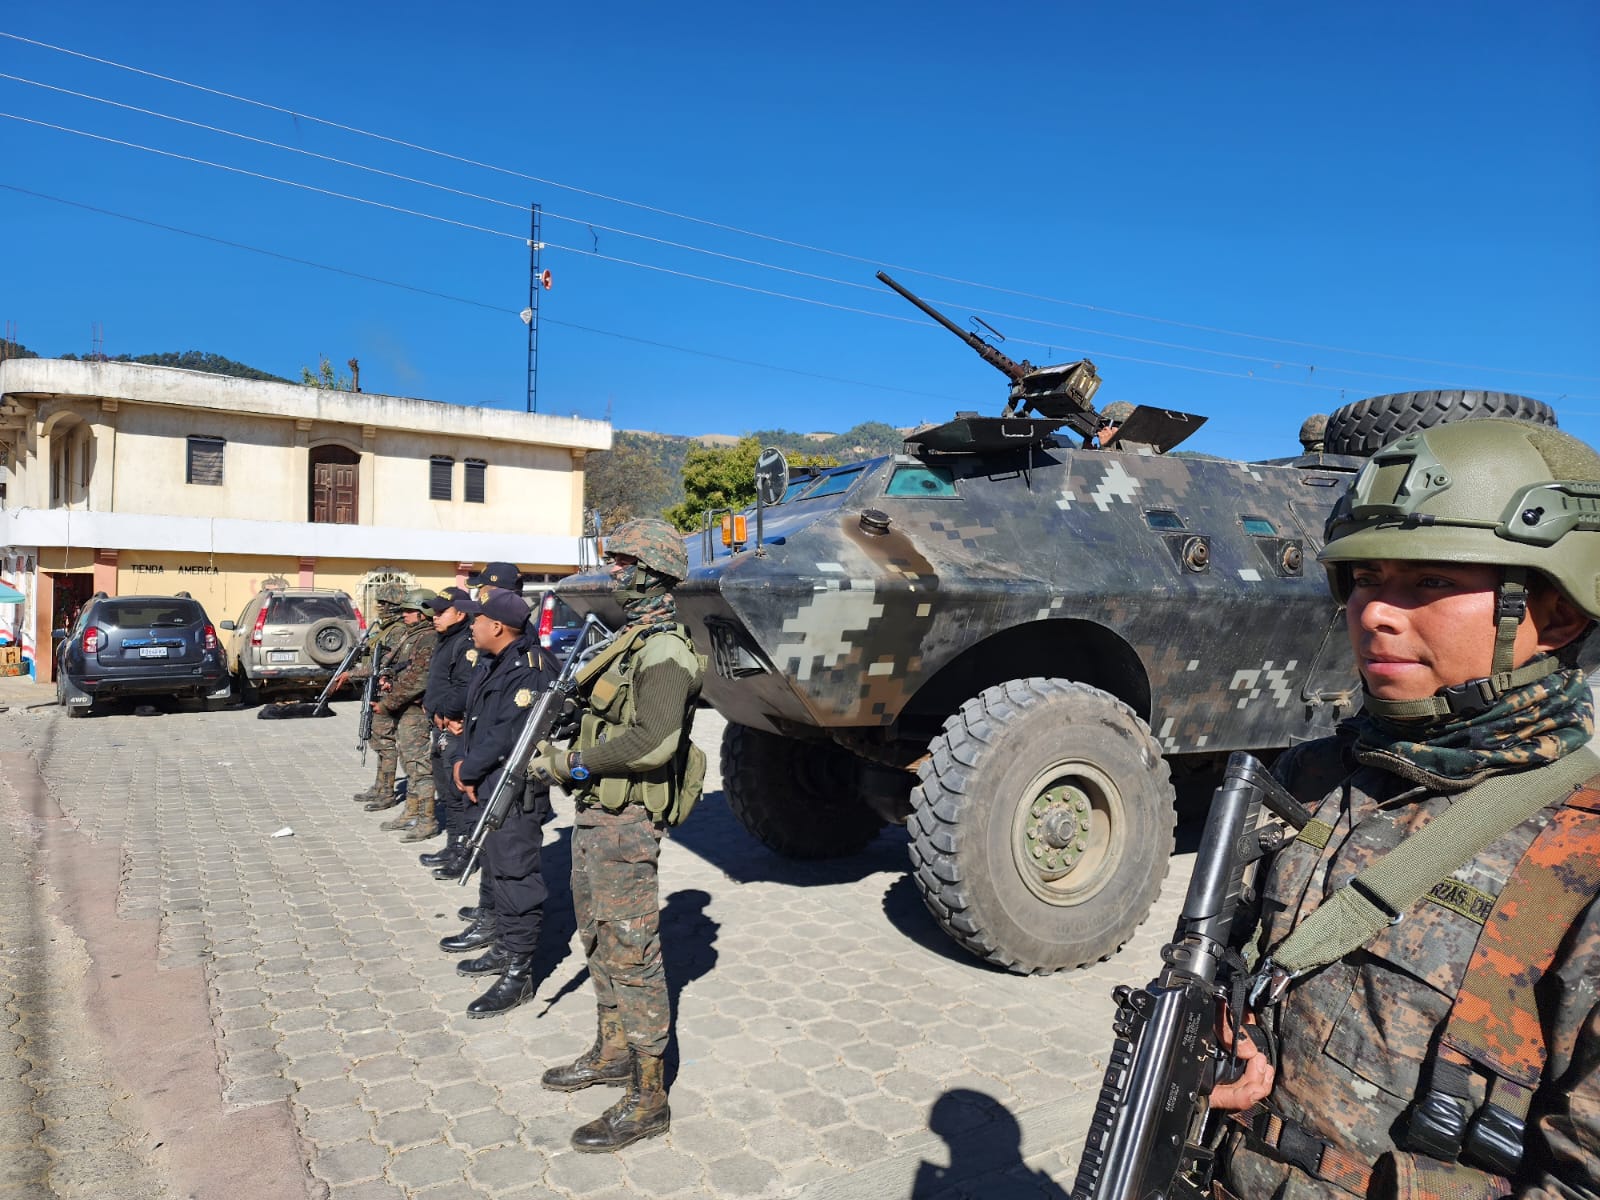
<point>381,638</point>
<point>1313,432</point>
<point>636,698</point>
<point>404,678</point>
<point>1111,418</point>
<point>511,672</point>
<point>1455,1052</point>
<point>445,702</point>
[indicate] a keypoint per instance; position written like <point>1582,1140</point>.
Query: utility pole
<point>538,281</point>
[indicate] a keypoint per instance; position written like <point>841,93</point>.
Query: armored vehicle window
<point>832,485</point>
<point>921,480</point>
<point>1258,527</point>
<point>1161,518</point>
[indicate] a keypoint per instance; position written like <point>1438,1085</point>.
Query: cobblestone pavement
<point>831,1042</point>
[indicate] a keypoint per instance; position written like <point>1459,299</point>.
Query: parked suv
<point>291,639</point>
<point>559,626</point>
<point>139,646</point>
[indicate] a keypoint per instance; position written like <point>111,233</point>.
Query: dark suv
<point>139,646</point>
<point>558,625</point>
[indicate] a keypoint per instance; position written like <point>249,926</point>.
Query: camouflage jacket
<point>407,666</point>
<point>381,641</point>
<point>1354,1036</point>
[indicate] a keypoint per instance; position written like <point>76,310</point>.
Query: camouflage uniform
<point>1371,1065</point>
<point>407,672</point>
<point>636,700</point>
<point>1355,1036</point>
<point>381,641</point>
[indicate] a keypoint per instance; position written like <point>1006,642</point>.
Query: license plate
<point>281,655</point>
<point>152,651</point>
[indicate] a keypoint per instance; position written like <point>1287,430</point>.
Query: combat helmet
<point>392,593</point>
<point>1314,432</point>
<point>1117,411</point>
<point>657,545</point>
<point>1518,496</point>
<point>416,600</point>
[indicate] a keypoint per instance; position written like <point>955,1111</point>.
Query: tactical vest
<point>606,688</point>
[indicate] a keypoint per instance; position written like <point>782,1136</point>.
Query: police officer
<point>637,698</point>
<point>404,679</point>
<point>1456,1052</point>
<point>381,639</point>
<point>445,702</point>
<point>498,575</point>
<point>512,670</point>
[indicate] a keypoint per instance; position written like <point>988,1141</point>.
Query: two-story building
<point>125,479</point>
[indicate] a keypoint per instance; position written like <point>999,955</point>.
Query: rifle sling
<point>1390,887</point>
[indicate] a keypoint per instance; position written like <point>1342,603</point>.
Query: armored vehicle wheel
<point>1042,825</point>
<point>1368,425</point>
<point>798,797</point>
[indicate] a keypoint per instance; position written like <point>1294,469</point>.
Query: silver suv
<point>291,639</point>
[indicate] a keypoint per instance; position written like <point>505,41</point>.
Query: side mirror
<point>229,625</point>
<point>57,634</point>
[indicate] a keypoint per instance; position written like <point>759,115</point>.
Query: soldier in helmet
<point>402,684</point>
<point>1111,418</point>
<point>381,639</point>
<point>636,701</point>
<point>1313,433</point>
<point>1447,1045</point>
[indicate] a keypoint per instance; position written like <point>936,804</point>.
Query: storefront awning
<point>10,595</point>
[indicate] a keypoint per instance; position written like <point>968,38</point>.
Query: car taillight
<point>91,640</point>
<point>361,622</point>
<point>211,638</point>
<point>261,620</point>
<point>547,619</point>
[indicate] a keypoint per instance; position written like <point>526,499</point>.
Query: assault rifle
<point>369,696</point>
<point>594,637</point>
<point>1148,1134</point>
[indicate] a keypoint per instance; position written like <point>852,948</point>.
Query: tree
<point>717,477</point>
<point>324,379</point>
<point>625,482</point>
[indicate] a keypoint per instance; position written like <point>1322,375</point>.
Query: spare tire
<point>328,641</point>
<point>1368,425</point>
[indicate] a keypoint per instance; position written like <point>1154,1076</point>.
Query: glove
<point>549,765</point>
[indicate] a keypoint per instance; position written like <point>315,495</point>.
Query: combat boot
<point>493,962</point>
<point>406,820</point>
<point>382,789</point>
<point>475,936</point>
<point>606,1061</point>
<point>469,912</point>
<point>443,855</point>
<point>424,826</point>
<point>642,1112</point>
<point>515,986</point>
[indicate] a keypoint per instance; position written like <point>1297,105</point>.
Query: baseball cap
<point>449,597</point>
<point>497,574</point>
<point>498,604</point>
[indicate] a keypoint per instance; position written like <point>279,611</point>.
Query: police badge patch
<point>523,698</point>
<point>472,657</point>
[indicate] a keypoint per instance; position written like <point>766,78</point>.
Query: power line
<point>300,116</point>
<point>497,308</point>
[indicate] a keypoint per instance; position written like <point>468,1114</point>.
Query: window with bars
<point>475,468</point>
<point>205,461</point>
<point>440,469</point>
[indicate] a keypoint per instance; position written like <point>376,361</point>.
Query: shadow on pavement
<point>688,951</point>
<point>904,907</point>
<point>714,833</point>
<point>985,1144</point>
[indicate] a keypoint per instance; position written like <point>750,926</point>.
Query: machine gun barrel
<point>1012,369</point>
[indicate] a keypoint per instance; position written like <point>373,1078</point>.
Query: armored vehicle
<point>1013,641</point>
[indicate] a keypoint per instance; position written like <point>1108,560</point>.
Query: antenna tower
<point>538,281</point>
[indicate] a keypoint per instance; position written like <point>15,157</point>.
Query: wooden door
<point>335,491</point>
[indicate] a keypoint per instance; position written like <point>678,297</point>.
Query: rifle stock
<point>1147,1136</point>
<point>537,727</point>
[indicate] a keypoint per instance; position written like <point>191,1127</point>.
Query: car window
<point>303,610</point>
<point>150,614</point>
<point>563,617</point>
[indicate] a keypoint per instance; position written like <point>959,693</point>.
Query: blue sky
<point>1248,211</point>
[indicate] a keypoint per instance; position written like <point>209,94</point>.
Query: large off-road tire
<point>800,798</point>
<point>1042,825</point>
<point>328,641</point>
<point>1368,425</point>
